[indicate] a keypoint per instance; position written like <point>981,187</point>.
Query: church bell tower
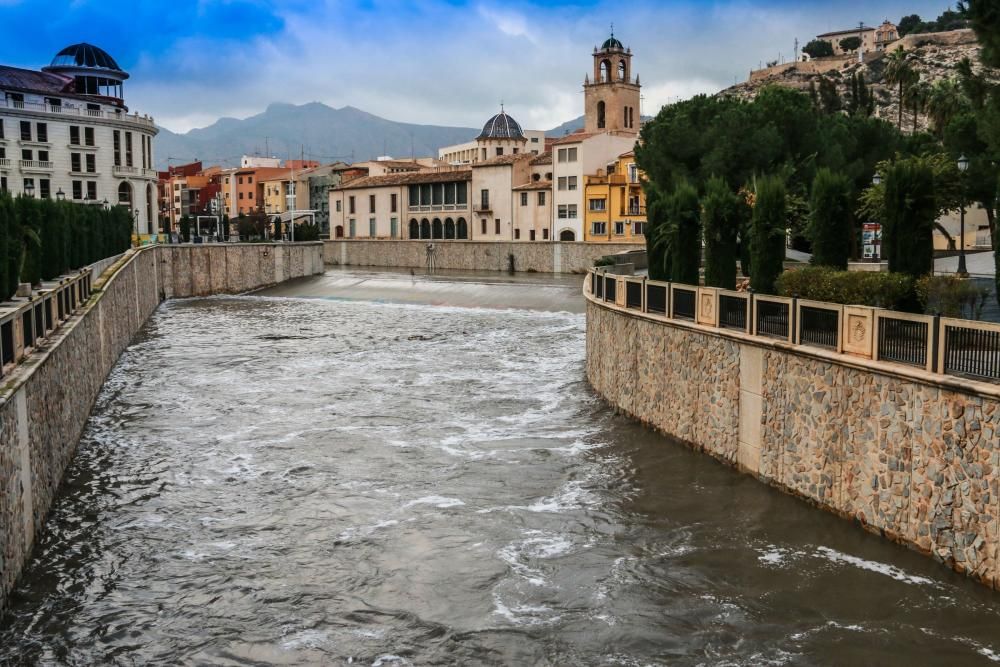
<point>612,97</point>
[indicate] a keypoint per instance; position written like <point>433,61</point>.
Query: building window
<point>118,150</point>
<point>531,235</point>
<point>1,128</point>
<point>499,151</point>
<point>600,114</point>
<point>572,182</point>
<point>524,199</point>
<point>43,156</point>
<point>496,226</point>
<point>44,188</point>
<point>371,203</point>
<point>567,211</point>
<point>393,226</point>
<point>337,206</point>
<point>250,195</point>
<point>25,130</point>
<point>484,226</point>
<point>77,189</point>
<point>3,184</point>
<point>633,173</point>
<point>350,205</point>
<point>241,195</point>
<point>92,190</point>
<point>541,199</point>
<point>128,149</point>
<point>75,163</point>
<point>598,228</point>
<point>371,227</point>
<point>517,234</point>
<point>562,183</point>
<point>545,235</point>
<point>88,136</point>
<point>91,163</point>
<point>567,154</point>
<point>352,225</point>
<point>27,154</point>
<point>42,132</point>
<point>619,228</point>
<point>597,204</point>
<point>484,199</point>
<point>250,179</point>
<point>638,229</point>
<point>393,204</point>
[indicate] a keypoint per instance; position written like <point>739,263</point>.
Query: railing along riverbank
<point>934,344</point>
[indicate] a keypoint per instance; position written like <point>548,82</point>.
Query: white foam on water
<point>440,502</point>
<point>305,639</point>
<point>523,614</point>
<point>365,531</point>
<point>389,659</point>
<point>873,566</point>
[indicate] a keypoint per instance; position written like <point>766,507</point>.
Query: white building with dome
<point>66,133</point>
<point>501,135</point>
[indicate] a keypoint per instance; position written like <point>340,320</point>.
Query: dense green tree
<point>818,48</point>
<point>830,227</point>
<point>29,216</point>
<point>849,44</point>
<point>916,98</point>
<point>7,214</point>
<point>945,100</point>
<point>720,219</point>
<point>684,218</point>
<point>984,16</point>
<point>908,24</point>
<point>829,96</point>
<point>767,233</point>
<point>909,216</point>
<point>659,236</point>
<point>185,228</point>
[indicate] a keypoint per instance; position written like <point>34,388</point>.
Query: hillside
<point>935,56</point>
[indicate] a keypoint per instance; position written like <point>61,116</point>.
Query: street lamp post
<point>963,166</point>
<point>29,189</point>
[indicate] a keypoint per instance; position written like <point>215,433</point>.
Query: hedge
<point>858,288</point>
<point>41,239</point>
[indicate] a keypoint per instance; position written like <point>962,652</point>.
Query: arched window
<point>437,229</point>
<point>605,71</point>
<point>567,235</point>
<point>124,193</point>
<point>449,228</point>
<point>621,70</point>
<point>601,112</point>
<point>425,229</point>
<point>462,230</point>
<point>414,229</point>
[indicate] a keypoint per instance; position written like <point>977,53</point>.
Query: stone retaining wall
<point>557,257</point>
<point>46,400</point>
<point>907,455</point>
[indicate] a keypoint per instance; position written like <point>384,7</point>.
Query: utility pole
<point>796,49</point>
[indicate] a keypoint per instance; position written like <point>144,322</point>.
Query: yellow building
<point>615,206</point>
<point>276,190</point>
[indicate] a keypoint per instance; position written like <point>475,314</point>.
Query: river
<point>373,468</point>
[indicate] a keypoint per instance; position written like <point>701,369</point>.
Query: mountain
<point>566,128</point>
<point>327,135</point>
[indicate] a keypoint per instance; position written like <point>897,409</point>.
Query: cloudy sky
<point>444,62</point>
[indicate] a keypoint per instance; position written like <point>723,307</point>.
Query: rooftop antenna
<point>267,146</point>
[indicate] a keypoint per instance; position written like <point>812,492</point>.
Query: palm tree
<point>944,101</point>
<point>916,97</point>
<point>899,73</point>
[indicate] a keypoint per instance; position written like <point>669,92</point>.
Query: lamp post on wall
<point>963,166</point>
<point>60,195</point>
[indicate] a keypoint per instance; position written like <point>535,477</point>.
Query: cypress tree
<point>830,228</point>
<point>29,219</point>
<point>15,249</point>
<point>767,233</point>
<point>6,213</point>
<point>721,221</point>
<point>910,212</point>
<point>657,240</point>
<point>684,218</point>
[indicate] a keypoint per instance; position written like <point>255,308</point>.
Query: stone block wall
<point>906,456</point>
<point>558,257</point>
<point>46,400</point>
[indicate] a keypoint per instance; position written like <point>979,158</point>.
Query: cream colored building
<point>485,148</point>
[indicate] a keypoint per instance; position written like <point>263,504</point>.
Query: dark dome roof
<point>501,126</point>
<point>612,43</point>
<point>85,55</point>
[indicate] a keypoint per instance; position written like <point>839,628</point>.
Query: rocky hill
<point>934,56</point>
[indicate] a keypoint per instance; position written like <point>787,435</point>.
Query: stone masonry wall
<point>562,257</point>
<point>911,459</point>
<point>45,402</point>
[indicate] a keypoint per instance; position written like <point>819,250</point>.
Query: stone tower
<point>612,96</point>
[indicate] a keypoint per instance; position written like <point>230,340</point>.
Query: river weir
<point>387,468</point>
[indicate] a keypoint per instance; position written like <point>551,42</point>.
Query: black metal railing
<point>656,299</point>
<point>733,312</point>
<point>39,319</point>
<point>819,326</point>
<point>903,341</point>
<point>971,352</point>
<point>684,303</point>
<point>774,318</point>
<point>7,341</point>
<point>633,295</point>
<point>610,291</point>
<point>597,286</point>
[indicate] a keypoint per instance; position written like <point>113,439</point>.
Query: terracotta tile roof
<point>574,138</point>
<point>416,177</point>
<point>535,185</point>
<point>503,159</point>
<point>395,164</point>
<point>544,158</point>
<point>628,154</point>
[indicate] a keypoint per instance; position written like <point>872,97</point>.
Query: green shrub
<point>767,233</point>
<point>951,296</point>
<point>604,261</point>
<point>307,232</point>
<point>858,288</point>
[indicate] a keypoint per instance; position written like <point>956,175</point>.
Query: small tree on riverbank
<point>910,209</point>
<point>684,216</point>
<point>767,233</point>
<point>830,227</point>
<point>720,218</point>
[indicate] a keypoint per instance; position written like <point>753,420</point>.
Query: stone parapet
<point>909,454</point>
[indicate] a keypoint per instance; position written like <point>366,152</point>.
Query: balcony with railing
<point>77,111</point>
<point>36,164</point>
<point>5,162</point>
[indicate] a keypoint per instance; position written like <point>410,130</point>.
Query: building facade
<point>66,133</point>
<point>615,204</point>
